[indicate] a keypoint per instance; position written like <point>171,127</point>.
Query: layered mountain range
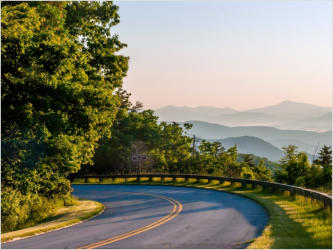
<point>263,131</point>
<point>285,115</point>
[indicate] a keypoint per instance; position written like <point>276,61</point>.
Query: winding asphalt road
<point>139,216</point>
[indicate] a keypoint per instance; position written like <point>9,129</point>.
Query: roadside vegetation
<point>20,211</point>
<point>60,71</point>
<point>59,218</point>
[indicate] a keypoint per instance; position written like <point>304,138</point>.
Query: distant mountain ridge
<point>292,108</point>
<point>253,145</point>
<point>306,140</point>
<point>180,114</point>
<point>285,115</point>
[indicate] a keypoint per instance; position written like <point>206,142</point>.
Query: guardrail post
<point>275,190</point>
<point>187,179</point>
<point>327,203</point>
<point>264,187</point>
<point>85,179</point>
<point>243,184</point>
<point>100,179</point>
<point>293,193</point>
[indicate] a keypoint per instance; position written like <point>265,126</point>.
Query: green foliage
<point>137,131</point>
<point>294,164</point>
<point>296,169</point>
<point>325,161</point>
<point>19,210</point>
<point>60,69</point>
<point>256,172</point>
<point>129,129</point>
<point>214,159</point>
<point>272,166</point>
<point>261,172</point>
<point>172,149</point>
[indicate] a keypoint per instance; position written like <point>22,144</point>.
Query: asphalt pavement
<point>138,216</point>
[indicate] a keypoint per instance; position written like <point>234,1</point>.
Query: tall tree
<point>59,71</point>
<point>295,166</point>
<point>325,160</point>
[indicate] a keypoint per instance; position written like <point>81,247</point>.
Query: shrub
<point>300,181</point>
<point>19,210</point>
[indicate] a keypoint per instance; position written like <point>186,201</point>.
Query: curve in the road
<point>177,208</point>
<point>208,219</point>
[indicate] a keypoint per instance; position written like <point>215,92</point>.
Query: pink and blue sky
<point>240,54</point>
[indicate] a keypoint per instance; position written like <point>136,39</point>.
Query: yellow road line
<point>177,208</point>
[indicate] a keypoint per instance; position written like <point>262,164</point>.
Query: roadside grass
<point>62,217</point>
<point>294,222</point>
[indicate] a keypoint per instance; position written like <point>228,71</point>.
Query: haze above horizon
<point>239,54</point>
<point>245,109</point>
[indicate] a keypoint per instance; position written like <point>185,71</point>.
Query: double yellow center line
<point>177,208</point>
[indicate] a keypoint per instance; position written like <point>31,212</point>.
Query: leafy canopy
<point>59,71</point>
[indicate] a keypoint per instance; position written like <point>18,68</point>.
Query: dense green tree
<point>248,159</point>
<point>210,152</point>
<point>173,148</point>
<point>313,177</point>
<point>60,67</point>
<point>130,129</point>
<point>325,161</point>
<point>59,71</point>
<point>252,171</point>
<point>136,130</point>
<point>261,172</point>
<point>214,159</point>
<point>229,165</point>
<point>295,167</point>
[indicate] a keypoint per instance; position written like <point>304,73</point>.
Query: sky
<point>239,54</point>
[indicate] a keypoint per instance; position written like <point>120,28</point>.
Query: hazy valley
<point>262,131</point>
<point>285,115</point>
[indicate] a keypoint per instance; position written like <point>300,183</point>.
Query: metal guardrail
<point>308,193</point>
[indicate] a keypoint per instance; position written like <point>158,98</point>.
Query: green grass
<point>63,217</point>
<point>294,222</point>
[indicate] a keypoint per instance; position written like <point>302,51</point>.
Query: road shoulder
<point>64,217</point>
